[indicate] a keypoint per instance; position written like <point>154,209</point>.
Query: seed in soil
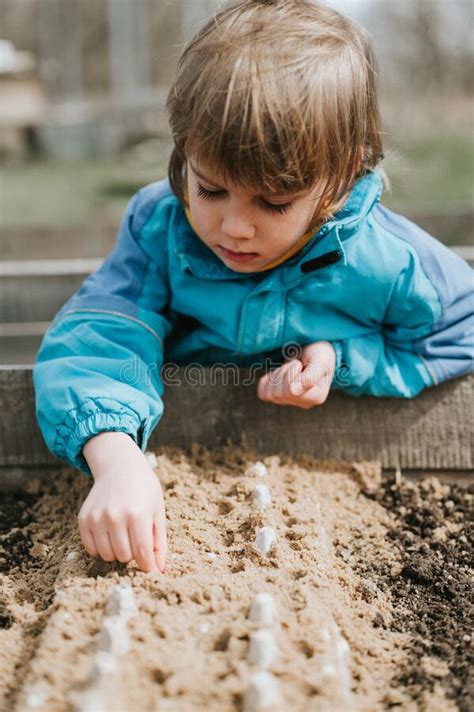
<point>262,609</point>
<point>258,469</point>
<point>263,693</point>
<point>262,649</point>
<point>261,496</point>
<point>113,636</point>
<point>121,603</point>
<point>265,539</point>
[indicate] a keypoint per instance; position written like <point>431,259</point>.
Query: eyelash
<point>215,194</point>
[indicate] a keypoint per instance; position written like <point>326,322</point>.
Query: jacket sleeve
<point>98,366</point>
<point>427,335</point>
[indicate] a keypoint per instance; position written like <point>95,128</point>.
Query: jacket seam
<point>116,313</point>
<point>430,370</point>
<point>420,264</point>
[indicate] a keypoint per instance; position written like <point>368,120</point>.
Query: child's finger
<point>103,543</point>
<point>315,395</point>
<point>314,374</point>
<point>160,544</point>
<point>264,387</point>
<point>121,543</point>
<point>141,539</point>
<point>87,538</point>
<point>292,385</point>
<point>276,387</point>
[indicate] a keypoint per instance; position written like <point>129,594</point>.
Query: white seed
<point>72,555</point>
<point>262,609</point>
<point>103,665</point>
<point>263,693</point>
<point>37,696</point>
<point>342,658</point>
<point>325,635</point>
<point>113,636</point>
<point>210,556</point>
<point>89,700</point>
<point>258,469</point>
<point>261,495</point>
<point>262,649</point>
<point>203,628</point>
<point>121,602</point>
<point>264,539</point>
<point>328,670</point>
<point>151,459</point>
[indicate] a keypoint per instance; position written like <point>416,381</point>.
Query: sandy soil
<point>384,565</point>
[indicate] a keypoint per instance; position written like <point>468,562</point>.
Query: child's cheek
<point>205,219</point>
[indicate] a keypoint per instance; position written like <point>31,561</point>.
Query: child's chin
<point>243,266</point>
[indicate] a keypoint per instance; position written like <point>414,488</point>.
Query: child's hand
<point>123,517</point>
<point>303,382</point>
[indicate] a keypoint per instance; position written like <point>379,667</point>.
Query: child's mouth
<point>238,256</point>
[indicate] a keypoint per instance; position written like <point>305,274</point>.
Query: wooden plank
<point>23,328</point>
<point>432,431</point>
<point>67,241</point>
<point>19,349</point>
<point>49,268</point>
<point>35,297</point>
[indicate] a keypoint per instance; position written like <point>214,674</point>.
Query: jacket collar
<point>324,248</point>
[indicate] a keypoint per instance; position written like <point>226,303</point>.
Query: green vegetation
<point>432,175</point>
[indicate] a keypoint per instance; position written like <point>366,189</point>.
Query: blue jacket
<point>395,303</point>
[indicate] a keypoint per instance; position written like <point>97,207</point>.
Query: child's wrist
<point>106,448</point>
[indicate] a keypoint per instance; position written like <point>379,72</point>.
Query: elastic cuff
<point>93,425</point>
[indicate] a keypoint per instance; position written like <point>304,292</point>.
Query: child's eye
<point>209,194</point>
<point>283,208</point>
<point>214,194</point>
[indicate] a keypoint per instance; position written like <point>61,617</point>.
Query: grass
<point>433,174</point>
<point>61,193</point>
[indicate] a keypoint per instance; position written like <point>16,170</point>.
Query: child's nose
<point>237,226</point>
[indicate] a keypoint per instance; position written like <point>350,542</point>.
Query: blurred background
<point>83,86</point>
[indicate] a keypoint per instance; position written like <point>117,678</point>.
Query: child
<point>268,234</point>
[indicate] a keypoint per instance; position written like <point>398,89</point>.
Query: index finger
<point>141,540</point>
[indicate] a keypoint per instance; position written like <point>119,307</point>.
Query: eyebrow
<point>291,196</point>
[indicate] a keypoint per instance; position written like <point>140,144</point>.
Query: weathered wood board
<point>431,431</point>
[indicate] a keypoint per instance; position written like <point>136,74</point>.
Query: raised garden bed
<point>367,582</point>
<point>354,527</point>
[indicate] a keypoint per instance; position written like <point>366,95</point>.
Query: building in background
<point>23,104</point>
<point>102,68</point>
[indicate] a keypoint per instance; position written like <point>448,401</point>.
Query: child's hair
<point>275,96</point>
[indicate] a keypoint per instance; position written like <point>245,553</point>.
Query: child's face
<point>228,218</point>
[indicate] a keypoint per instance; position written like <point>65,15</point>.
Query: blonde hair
<point>277,96</point>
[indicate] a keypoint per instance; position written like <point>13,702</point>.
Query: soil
<point>386,564</point>
<point>434,534</point>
